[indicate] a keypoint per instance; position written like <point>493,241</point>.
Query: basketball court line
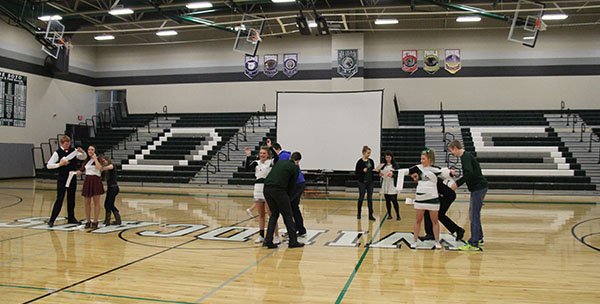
<point>20,199</point>
<point>345,289</point>
<point>120,267</point>
<point>582,239</point>
<point>96,294</point>
<point>208,195</point>
<point>22,236</point>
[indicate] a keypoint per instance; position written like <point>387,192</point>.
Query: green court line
<point>96,294</point>
<point>209,195</point>
<point>235,276</point>
<point>345,289</point>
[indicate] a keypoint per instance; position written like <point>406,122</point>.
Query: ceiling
<point>84,19</point>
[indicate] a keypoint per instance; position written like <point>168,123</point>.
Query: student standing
<point>280,184</point>
<point>63,159</point>
<point>478,186</point>
<point>388,174</point>
<point>364,175</point>
<point>92,186</point>
<point>112,189</point>
<point>261,166</point>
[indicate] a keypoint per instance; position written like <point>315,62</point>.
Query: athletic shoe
<point>398,218</point>
<point>270,245</point>
<point>371,218</point>
<point>295,245</point>
<point>249,212</point>
<point>460,234</point>
<point>259,239</point>
<point>468,247</point>
<point>438,245</point>
<point>302,235</point>
<point>413,245</point>
<point>481,243</point>
<point>276,241</point>
<point>389,217</point>
<point>50,224</point>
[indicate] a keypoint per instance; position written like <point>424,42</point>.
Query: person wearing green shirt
<point>478,186</point>
<point>280,185</point>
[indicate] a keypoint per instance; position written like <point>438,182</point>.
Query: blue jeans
<point>475,216</point>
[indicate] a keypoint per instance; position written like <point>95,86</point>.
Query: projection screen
<point>330,129</point>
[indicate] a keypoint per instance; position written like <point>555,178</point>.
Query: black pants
<point>60,196</point>
<point>295,204</point>
<point>109,201</point>
<point>445,202</point>
<point>389,200</point>
<point>362,188</point>
<point>279,202</point>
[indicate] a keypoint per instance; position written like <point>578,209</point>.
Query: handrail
<point>592,139</point>
<point>568,115</point>
<point>244,131</point>
<point>208,170</point>
<point>229,148</point>
<point>446,142</point>
<point>252,123</point>
<point>165,111</point>
<point>258,117</point>
<point>583,127</point>
<point>264,109</point>
<point>442,117</point>
<point>42,149</point>
<point>93,124</point>
<point>574,122</point>
<point>219,153</point>
<point>156,117</point>
<point>562,107</point>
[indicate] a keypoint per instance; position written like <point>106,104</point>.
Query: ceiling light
<point>386,21</point>
<point>105,37</point>
<point>554,17</point>
<point>468,19</point>
<point>195,5</point>
<point>312,23</point>
<point>529,38</point>
<point>48,18</point>
<point>282,1</point>
<point>166,33</point>
<point>120,11</point>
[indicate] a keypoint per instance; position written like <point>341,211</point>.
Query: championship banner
<point>452,60</point>
<point>251,66</point>
<point>347,63</point>
<point>409,61</point>
<point>270,69</point>
<point>290,64</point>
<point>431,61</point>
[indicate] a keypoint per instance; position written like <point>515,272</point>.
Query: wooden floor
<point>192,246</point>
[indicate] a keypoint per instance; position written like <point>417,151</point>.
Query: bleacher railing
<point>592,140</point>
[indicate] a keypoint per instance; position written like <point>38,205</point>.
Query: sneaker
<point>413,245</point>
<point>371,218</point>
<point>398,218</point>
<point>468,247</point>
<point>438,245</point>
<point>481,243</point>
<point>249,212</point>
<point>259,239</point>
<point>302,235</point>
<point>270,245</point>
<point>296,245</point>
<point>389,217</point>
<point>276,240</point>
<point>460,234</point>
<point>285,236</point>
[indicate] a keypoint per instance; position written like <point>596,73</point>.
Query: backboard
<point>249,35</point>
<point>527,22</point>
<point>54,36</point>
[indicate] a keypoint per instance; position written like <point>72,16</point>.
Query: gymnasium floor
<point>535,252</point>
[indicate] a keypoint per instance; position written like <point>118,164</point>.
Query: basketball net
<point>254,36</point>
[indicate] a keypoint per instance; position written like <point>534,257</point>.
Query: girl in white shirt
<point>262,166</point>
<point>92,185</point>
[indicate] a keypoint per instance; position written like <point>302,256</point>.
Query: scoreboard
<point>13,99</point>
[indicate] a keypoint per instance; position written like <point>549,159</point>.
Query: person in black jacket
<point>64,160</point>
<point>364,175</point>
<point>446,197</point>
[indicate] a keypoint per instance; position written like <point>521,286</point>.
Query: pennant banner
<point>251,66</point>
<point>431,61</point>
<point>347,63</point>
<point>409,61</point>
<point>270,69</point>
<point>452,60</point>
<point>290,64</point>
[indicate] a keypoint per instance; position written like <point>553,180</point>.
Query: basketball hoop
<point>254,36</point>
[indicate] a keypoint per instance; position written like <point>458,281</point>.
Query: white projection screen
<point>330,129</point>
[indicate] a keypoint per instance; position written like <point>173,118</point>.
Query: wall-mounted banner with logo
<point>452,60</point>
<point>270,68</point>
<point>431,61</point>
<point>409,61</point>
<point>251,66</point>
<point>347,63</point>
<point>290,64</point>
